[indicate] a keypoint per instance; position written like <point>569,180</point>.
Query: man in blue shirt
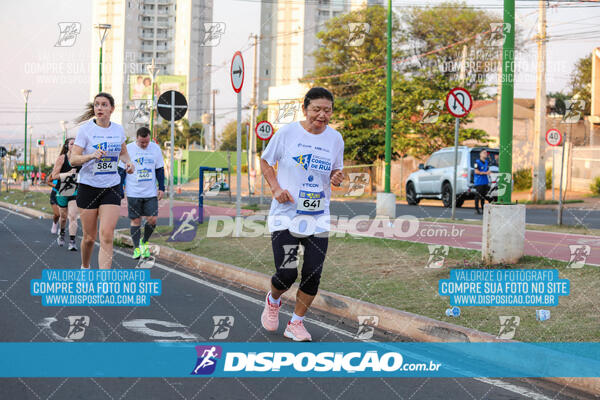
<point>481,181</point>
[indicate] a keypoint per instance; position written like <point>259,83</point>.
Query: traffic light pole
<point>388,105</point>
<point>506,110</point>
<point>25,152</point>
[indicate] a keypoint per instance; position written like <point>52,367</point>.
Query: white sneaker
<point>54,229</point>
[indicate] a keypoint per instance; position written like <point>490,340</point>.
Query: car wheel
<point>447,195</point>
<point>411,195</point>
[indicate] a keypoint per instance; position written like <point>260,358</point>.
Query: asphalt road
<point>184,311</point>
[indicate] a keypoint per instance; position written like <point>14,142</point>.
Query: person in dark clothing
<point>481,180</point>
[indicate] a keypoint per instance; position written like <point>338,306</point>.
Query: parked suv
<point>434,179</point>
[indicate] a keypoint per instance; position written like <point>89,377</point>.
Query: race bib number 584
<point>106,165</point>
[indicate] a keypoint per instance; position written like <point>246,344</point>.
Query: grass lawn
<point>392,273</point>
<point>36,200</point>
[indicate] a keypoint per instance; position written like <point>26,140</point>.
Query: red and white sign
<point>554,137</point>
<point>264,130</point>
<point>237,72</point>
<point>459,102</point>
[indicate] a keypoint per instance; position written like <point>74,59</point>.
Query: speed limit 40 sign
<point>264,130</point>
<point>553,137</point>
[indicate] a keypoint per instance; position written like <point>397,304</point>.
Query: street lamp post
<point>26,93</point>
<point>64,127</point>
<point>152,70</point>
<point>102,32</point>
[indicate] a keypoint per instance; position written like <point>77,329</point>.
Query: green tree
<point>581,81</point>
<point>229,136</point>
<point>436,27</point>
<point>359,89</point>
<point>184,133</point>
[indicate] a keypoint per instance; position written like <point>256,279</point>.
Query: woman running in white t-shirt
<point>310,157</point>
<point>97,149</point>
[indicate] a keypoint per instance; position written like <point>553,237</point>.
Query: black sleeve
<point>122,175</point>
<point>160,178</point>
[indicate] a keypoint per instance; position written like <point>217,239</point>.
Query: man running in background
<point>141,191</point>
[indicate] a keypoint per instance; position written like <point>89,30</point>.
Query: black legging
<point>285,250</point>
<point>482,191</point>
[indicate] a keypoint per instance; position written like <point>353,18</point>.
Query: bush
<point>522,179</point>
<point>595,187</point>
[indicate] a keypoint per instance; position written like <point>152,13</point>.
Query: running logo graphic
<point>207,359</point>
<point>288,109</point>
<point>508,326</point>
<point>437,255</point>
<point>358,183</point>
<point>185,224</point>
<point>223,324</point>
<point>579,254</point>
<point>303,160</point>
<point>101,146</point>
<point>503,182</point>
<point>213,185</point>
<point>573,111</point>
<point>358,32</point>
<point>139,160</point>
<point>431,111</point>
<point>68,34</point>
<point>76,330</point>
<point>291,252</point>
<point>212,34</point>
<point>67,186</point>
<point>366,326</point>
<point>499,30</point>
<point>141,112</point>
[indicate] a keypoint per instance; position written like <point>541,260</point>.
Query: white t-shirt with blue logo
<point>100,173</point>
<point>305,162</point>
<point>142,183</point>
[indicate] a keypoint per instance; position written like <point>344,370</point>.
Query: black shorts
<point>90,197</point>
<point>142,207</point>
<point>285,251</point>
<point>53,198</point>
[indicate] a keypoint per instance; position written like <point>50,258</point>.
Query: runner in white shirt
<point>309,157</point>
<point>97,149</point>
<point>142,195</point>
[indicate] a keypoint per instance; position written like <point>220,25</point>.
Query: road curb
<point>413,326</point>
<point>25,210</point>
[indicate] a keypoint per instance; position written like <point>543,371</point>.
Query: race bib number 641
<point>106,165</point>
<point>310,203</point>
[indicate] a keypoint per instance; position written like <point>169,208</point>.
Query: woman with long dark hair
<point>66,192</point>
<point>97,149</point>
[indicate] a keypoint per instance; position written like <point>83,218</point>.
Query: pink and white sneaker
<point>270,315</point>
<point>296,331</point>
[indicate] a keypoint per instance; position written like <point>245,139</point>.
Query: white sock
<point>296,318</point>
<point>273,301</point>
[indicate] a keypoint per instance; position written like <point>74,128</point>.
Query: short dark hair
<point>143,132</point>
<point>317,93</point>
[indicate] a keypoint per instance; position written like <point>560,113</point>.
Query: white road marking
<point>15,213</point>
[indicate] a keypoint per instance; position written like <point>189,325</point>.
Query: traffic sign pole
<point>456,126</point>
<point>458,103</point>
<point>172,106</point>
<point>264,131</point>
<point>172,186</point>
<point>238,194</point>
<point>236,73</point>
